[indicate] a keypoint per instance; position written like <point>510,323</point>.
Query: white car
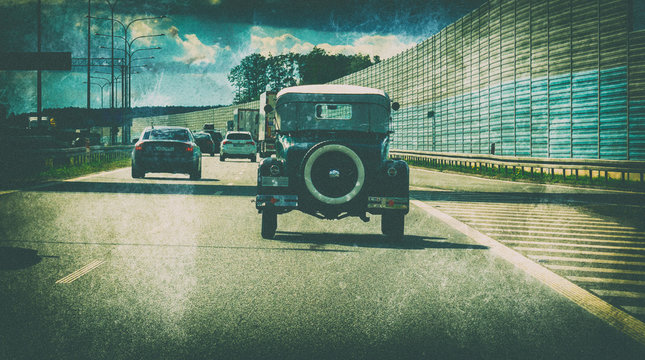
<point>238,144</point>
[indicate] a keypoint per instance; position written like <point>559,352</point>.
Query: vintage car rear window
<point>334,111</point>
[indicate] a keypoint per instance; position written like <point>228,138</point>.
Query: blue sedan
<point>170,149</point>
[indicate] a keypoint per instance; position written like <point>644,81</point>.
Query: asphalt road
<point>164,267</point>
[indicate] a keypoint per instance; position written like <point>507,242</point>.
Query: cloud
<point>383,46</point>
<point>194,51</point>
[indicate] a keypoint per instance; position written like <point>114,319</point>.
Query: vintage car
<point>332,158</point>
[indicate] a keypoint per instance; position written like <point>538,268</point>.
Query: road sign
<point>35,60</point>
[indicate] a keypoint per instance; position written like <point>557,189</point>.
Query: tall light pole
<point>39,84</point>
<point>112,5</point>
<point>130,65</point>
<point>127,45</point>
<point>89,60</point>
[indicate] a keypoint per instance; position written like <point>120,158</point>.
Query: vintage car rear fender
<point>391,189</point>
<point>392,179</point>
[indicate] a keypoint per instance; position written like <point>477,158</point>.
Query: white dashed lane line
<point>80,272</point>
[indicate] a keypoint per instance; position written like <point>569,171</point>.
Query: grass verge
<point>537,176</point>
<point>18,181</point>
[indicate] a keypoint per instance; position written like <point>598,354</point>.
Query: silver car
<point>238,144</point>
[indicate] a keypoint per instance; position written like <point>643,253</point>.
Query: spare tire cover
<point>334,174</point>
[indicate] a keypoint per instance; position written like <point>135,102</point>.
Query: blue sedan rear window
<point>167,134</point>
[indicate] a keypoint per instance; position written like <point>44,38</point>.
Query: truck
<point>266,126</point>
<point>245,120</point>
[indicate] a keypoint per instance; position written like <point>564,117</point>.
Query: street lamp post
<point>101,86</point>
<point>127,57</point>
<point>112,5</point>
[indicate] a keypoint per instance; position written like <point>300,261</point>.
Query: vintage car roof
<point>331,89</point>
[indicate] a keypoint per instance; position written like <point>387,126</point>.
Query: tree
<point>318,67</point>
<point>249,78</point>
<point>282,71</point>
<point>255,73</point>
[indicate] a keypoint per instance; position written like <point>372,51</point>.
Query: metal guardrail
<point>605,167</point>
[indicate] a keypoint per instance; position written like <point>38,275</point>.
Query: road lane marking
<point>619,293</point>
<point>572,245</point>
<point>602,236</point>
<point>585,260</point>
<point>614,316</point>
<point>581,252</point>
<point>528,217</point>
<point>516,213</point>
<point>577,228</point>
<point>597,270</point>
<point>80,272</point>
<point>597,280</point>
<point>506,209</point>
<point>635,309</point>
<point>602,241</point>
<point>97,174</point>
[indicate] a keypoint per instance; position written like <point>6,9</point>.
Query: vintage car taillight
<point>138,147</point>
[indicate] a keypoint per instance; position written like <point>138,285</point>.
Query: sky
<point>203,40</point>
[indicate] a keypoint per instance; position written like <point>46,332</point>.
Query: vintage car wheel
<point>269,224</point>
<point>392,225</point>
<point>334,174</point>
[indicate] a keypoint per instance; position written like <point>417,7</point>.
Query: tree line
<point>257,73</point>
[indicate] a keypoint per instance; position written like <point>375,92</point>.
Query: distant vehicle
<point>332,159</point>
<point>205,142</point>
<point>246,120</point>
<point>266,125</point>
<point>170,149</point>
<point>216,136</point>
<point>238,144</point>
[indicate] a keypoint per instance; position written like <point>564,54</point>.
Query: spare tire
<point>334,174</point>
